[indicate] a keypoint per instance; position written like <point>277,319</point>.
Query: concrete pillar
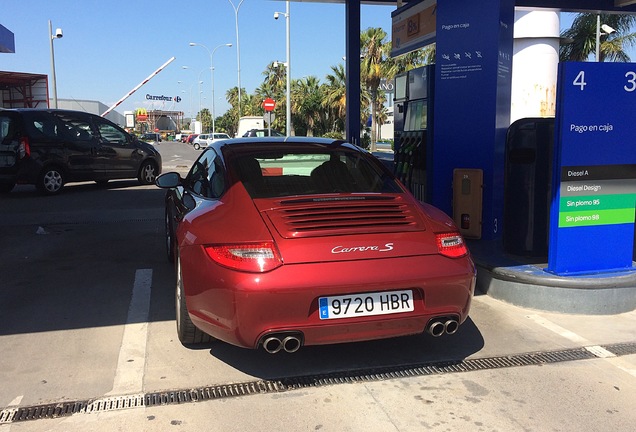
<point>535,63</point>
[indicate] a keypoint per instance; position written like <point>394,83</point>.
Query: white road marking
<point>129,375</point>
<point>598,351</point>
<point>16,401</point>
<point>8,413</point>
<point>559,330</point>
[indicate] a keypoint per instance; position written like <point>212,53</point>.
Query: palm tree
<point>372,69</point>
<point>307,102</point>
<point>335,97</point>
<point>582,35</point>
<point>273,87</point>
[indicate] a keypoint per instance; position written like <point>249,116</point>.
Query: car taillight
<point>24,149</point>
<point>451,245</point>
<point>255,257</point>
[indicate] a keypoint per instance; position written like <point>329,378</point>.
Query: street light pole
<point>58,34</point>
<point>608,31</point>
<point>288,64</point>
<point>288,112</point>
<point>238,53</point>
<point>212,77</point>
<point>598,37</point>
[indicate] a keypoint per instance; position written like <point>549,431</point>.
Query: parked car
<point>151,137</point>
<point>218,136</point>
<point>203,140</point>
<point>285,242</point>
<point>200,142</point>
<point>261,133</point>
<point>49,148</point>
<point>191,138</point>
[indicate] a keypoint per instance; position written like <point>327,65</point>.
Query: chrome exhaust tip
<point>272,344</point>
<point>451,326</point>
<point>291,344</point>
<point>436,329</point>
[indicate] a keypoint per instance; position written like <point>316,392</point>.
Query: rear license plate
<point>365,304</point>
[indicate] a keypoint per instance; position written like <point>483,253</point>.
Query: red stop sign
<point>269,104</point>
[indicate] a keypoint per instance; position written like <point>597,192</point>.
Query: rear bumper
<point>241,308</point>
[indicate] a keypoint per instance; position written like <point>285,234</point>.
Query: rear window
<point>276,174</point>
<point>72,127</point>
<point>7,129</point>
<point>42,125</point>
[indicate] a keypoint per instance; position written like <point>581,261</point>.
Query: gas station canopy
<point>619,6</point>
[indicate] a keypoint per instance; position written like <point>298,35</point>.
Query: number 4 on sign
<point>580,80</point>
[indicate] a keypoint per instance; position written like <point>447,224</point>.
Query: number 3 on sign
<point>580,80</point>
<point>631,81</point>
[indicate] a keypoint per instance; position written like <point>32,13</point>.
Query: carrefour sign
<point>163,98</point>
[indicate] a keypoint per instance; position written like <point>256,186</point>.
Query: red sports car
<point>285,242</point>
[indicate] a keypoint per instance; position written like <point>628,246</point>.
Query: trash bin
<point>527,186</point>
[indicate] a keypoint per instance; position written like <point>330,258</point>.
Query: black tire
<point>6,187</point>
<point>186,331</point>
<point>169,236</point>
<point>51,180</point>
<point>197,146</point>
<point>147,173</point>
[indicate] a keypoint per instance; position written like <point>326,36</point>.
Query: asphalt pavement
<point>87,342</point>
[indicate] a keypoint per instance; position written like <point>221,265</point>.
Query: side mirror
<point>168,180</point>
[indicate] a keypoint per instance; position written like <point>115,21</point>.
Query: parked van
<point>249,123</point>
<point>49,148</point>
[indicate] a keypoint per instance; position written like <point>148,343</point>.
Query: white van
<point>249,123</point>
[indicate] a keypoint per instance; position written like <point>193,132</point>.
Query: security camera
<point>607,29</point>
<point>58,33</point>
<point>276,15</point>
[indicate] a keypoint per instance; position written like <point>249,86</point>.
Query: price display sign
<point>594,179</point>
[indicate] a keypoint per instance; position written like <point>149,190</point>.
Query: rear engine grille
<point>345,218</point>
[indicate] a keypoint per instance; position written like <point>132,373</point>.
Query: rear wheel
<point>51,180</point>
<point>186,330</point>
<point>147,173</point>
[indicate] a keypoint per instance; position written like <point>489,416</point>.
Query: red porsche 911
<point>285,242</point>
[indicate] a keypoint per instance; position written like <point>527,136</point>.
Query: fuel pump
<point>413,129</point>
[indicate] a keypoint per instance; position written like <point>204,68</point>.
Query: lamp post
<point>288,65</point>
<point>238,52</point>
<point>57,35</point>
<point>212,76</point>
<point>198,82</point>
<point>607,29</point>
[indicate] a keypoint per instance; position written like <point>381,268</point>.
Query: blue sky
<point>111,46</point>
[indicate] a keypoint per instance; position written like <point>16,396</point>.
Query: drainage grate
<point>172,397</point>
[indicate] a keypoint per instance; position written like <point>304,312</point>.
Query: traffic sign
<point>269,104</point>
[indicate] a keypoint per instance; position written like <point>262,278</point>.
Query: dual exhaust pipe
<point>441,326</point>
<point>288,342</point>
<point>291,342</point>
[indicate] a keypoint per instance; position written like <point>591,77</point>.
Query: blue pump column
<point>473,76</point>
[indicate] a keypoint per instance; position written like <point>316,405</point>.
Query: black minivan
<point>49,148</point>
